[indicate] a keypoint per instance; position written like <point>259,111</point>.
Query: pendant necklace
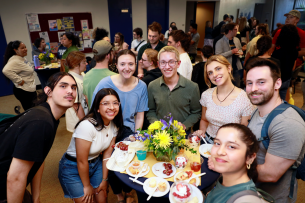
<point>226,96</point>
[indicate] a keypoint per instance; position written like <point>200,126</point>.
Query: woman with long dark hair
<point>20,72</point>
<point>286,51</point>
<point>71,42</point>
<point>82,170</point>
<point>119,42</point>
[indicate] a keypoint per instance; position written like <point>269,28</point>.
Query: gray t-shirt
<point>286,133</point>
<point>193,47</point>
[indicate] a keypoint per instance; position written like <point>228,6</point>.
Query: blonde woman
<point>244,30</point>
<point>224,103</point>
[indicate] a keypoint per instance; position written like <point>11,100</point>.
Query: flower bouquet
<point>46,57</point>
<point>164,139</point>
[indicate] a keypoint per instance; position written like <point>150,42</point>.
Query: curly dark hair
<point>182,37</point>
<point>288,38</point>
<point>99,34</point>
<point>263,44</point>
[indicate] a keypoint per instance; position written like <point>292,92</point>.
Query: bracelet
<point>105,179</point>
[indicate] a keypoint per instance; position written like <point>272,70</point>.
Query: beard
<point>265,98</point>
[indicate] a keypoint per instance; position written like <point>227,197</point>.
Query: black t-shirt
<point>234,57</point>
<point>30,138</point>
<point>287,58</point>
<point>244,31</point>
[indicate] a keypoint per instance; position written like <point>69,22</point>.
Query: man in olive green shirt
<point>173,93</point>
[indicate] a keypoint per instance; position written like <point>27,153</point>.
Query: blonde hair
<point>220,59</point>
<point>242,24</point>
<point>169,49</point>
<point>152,56</point>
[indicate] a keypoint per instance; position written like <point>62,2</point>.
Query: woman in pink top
<point>224,103</point>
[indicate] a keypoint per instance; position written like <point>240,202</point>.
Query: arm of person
<point>82,153</point>
<point>273,168</point>
<point>139,120</point>
<point>134,51</point>
<point>11,70</point>
<point>192,42</point>
<point>302,52</point>
<point>17,179</point>
<point>219,50</point>
<point>151,114</point>
<point>195,109</point>
<point>246,58</point>
<point>36,185</point>
<point>106,154</point>
<point>245,120</point>
<point>125,45</point>
<point>79,110</point>
<point>247,36</point>
<point>140,71</point>
<point>203,125</point>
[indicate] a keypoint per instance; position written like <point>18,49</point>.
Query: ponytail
<point>9,51</point>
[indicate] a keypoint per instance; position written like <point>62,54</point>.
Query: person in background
<point>61,49</point>
<point>83,174</point>
<point>41,45</point>
<point>166,35</point>
<point>149,62</point>
<point>71,42</point>
<point>25,145</point>
<point>254,23</point>
<point>119,43</point>
<point>236,146</point>
<point>222,33</point>
<point>181,41</point>
<point>21,73</point>
<point>171,28</point>
<point>134,99</point>
<point>216,30</point>
<point>103,56</point>
<point>244,30</point>
<point>198,70</point>
<point>88,59</point>
<point>99,34</point>
<point>154,32</point>
<point>286,51</point>
<point>76,61</point>
<point>194,42</point>
<point>224,103</point>
<point>275,172</point>
<point>260,30</point>
<point>208,39</point>
<point>138,42</point>
<point>229,46</point>
<point>164,92</point>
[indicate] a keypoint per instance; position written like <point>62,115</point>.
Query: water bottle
<point>36,62</point>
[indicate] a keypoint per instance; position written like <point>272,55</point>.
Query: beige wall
<point>205,12</point>
<point>177,13</point>
<point>139,16</point>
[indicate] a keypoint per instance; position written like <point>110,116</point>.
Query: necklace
<point>226,96</point>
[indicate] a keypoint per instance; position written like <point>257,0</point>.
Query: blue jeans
<point>70,180</point>
<point>284,88</point>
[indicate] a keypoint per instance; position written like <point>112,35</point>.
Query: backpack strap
<point>259,193</point>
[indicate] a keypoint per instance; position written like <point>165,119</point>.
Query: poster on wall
<point>81,42</point>
<point>45,36</point>
<point>33,22</point>
<point>53,25</point>
<point>91,33</point>
<point>59,34</point>
<point>87,43</point>
<point>54,47</point>
<point>60,24</point>
<point>69,24</point>
<point>85,29</point>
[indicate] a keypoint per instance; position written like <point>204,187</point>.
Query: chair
<point>295,74</point>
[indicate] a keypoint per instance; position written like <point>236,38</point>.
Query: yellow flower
<point>157,125</point>
<point>178,128</point>
<point>51,55</point>
<point>40,56</point>
<point>164,139</point>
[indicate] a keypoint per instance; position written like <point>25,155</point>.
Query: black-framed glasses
<point>170,63</point>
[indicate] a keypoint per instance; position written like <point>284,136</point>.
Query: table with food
<point>163,166</point>
<point>45,71</point>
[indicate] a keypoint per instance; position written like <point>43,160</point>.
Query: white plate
<point>158,193</point>
<point>142,174</point>
<point>158,169</point>
<point>197,179</point>
<point>196,193</point>
<point>205,148</point>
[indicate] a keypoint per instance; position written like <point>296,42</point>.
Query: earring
<point>248,166</point>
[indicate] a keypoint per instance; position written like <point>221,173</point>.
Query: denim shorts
<point>70,180</point>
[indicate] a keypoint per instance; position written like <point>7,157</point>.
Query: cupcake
<point>162,186</point>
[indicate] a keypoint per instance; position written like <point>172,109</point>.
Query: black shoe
<point>17,109</point>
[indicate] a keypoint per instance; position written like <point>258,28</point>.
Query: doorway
<point>158,10</point>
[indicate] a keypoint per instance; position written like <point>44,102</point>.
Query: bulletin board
<point>53,35</point>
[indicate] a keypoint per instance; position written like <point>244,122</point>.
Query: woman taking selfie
<point>234,156</point>
<point>83,174</point>
<point>224,103</point>
<point>20,72</point>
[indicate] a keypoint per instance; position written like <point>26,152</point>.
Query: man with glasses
<point>229,46</point>
<point>173,93</point>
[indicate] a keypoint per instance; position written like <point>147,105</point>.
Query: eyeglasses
<point>108,104</point>
<point>171,63</point>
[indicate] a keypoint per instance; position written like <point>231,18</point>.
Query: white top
<point>166,34</point>
<point>18,69</point>
<point>135,43</point>
<point>185,69</point>
<point>100,141</point>
<point>217,115</point>
<point>71,116</point>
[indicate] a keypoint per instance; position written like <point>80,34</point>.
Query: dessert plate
<point>205,150</point>
<point>196,193</point>
<point>158,169</point>
<point>193,175</point>
<point>158,193</point>
<point>142,174</point>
